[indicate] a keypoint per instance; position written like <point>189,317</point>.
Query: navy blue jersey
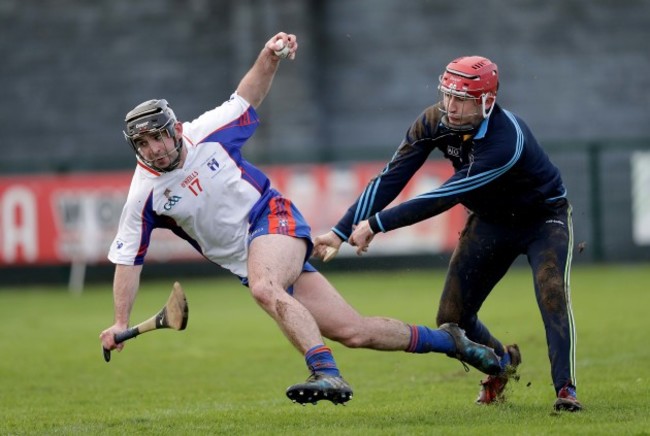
<point>500,173</point>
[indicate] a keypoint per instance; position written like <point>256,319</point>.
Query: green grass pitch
<point>226,374</point>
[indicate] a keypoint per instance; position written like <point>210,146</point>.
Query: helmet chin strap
<point>487,113</point>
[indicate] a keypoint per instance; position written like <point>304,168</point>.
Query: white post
<point>86,249</point>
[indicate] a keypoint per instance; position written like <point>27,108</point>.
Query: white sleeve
<point>134,231</point>
<point>209,122</point>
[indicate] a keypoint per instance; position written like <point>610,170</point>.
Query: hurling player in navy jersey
<point>192,178</point>
<point>516,203</point>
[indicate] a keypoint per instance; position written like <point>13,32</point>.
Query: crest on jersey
<point>213,164</point>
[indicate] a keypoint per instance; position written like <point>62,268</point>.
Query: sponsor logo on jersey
<point>119,244</point>
<point>173,201</point>
<point>213,164</point>
<point>453,151</point>
<point>551,221</point>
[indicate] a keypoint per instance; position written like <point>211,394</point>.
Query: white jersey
<point>207,201</point>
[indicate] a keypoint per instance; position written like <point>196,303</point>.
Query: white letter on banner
<point>16,233</point>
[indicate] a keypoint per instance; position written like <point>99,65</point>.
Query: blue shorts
<point>276,215</point>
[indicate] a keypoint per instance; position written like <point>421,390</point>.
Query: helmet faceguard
<point>469,78</point>
<point>152,117</point>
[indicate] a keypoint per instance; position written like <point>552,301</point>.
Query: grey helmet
<point>152,117</point>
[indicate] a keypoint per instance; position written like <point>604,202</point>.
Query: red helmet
<point>470,76</point>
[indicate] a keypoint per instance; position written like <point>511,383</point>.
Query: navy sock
<point>320,359</point>
<point>426,340</point>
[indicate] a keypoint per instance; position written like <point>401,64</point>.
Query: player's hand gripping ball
<point>282,51</point>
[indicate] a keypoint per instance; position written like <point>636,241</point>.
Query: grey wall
<point>575,69</point>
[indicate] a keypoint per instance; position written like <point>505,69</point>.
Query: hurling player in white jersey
<point>191,178</point>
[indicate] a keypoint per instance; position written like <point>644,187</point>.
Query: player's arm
<point>379,192</point>
<point>404,214</point>
<point>415,210</point>
<point>256,83</point>
<point>127,252</point>
<point>384,188</point>
<point>125,288</point>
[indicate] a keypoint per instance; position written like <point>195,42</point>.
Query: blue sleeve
<point>382,189</point>
<point>237,132</point>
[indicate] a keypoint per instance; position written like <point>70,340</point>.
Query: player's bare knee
<point>263,295</point>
